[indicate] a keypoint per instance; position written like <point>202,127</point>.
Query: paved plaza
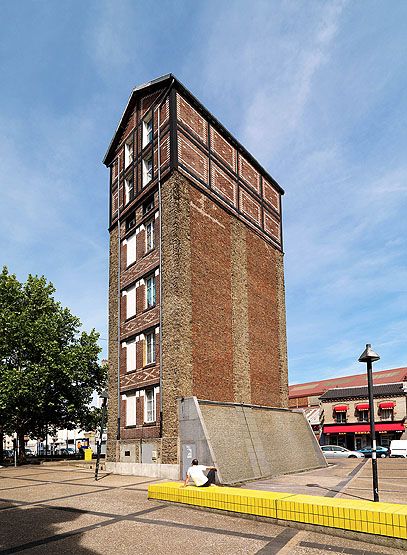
<point>60,509</point>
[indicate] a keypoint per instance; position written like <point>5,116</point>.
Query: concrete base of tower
<point>152,470</point>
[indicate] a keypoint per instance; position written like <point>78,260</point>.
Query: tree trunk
<point>21,447</point>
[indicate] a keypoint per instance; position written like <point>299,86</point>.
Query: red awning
<point>341,408</point>
<point>387,405</point>
<point>362,406</point>
<point>355,428</point>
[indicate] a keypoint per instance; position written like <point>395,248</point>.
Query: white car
<point>337,452</point>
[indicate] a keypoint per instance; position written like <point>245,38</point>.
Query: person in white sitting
<point>196,474</point>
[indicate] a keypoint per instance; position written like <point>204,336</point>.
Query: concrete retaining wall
<point>246,442</point>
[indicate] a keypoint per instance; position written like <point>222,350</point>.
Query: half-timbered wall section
<point>137,147</point>
<point>211,158</point>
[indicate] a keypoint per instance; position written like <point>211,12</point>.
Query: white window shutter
<point>131,410</point>
<point>131,249</point>
<point>131,302</point>
<point>131,355</point>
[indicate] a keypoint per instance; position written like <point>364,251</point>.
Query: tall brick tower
<point>196,283</point>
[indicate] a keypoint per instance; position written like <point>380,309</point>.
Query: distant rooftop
<point>362,392</point>
<point>319,387</point>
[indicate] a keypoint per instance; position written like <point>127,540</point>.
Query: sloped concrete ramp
<point>246,442</point>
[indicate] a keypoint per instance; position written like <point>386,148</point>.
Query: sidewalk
<point>349,478</point>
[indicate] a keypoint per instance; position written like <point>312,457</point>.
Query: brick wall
<point>223,309</point>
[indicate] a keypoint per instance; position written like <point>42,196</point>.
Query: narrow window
<point>363,416</point>
<point>149,414</point>
<point>150,348</point>
<point>150,291</point>
<point>148,205</point>
<point>128,190</point>
<point>147,170</point>
<point>131,409</point>
<point>386,414</point>
<point>128,152</point>
<point>340,417</point>
<point>149,235</point>
<point>131,221</point>
<point>147,130</point>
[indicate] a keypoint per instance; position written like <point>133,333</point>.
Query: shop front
<point>357,436</point>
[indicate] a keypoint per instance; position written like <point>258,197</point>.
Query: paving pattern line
<point>278,543</point>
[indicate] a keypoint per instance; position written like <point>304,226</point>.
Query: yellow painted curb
<point>384,519</point>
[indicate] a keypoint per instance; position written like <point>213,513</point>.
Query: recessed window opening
<point>128,152</point>
<point>128,190</point>
<point>149,415</point>
<point>150,348</point>
<point>149,236</point>
<point>147,129</point>
<point>147,170</point>
<point>150,291</point>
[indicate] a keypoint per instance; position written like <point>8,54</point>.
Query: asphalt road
<point>62,510</point>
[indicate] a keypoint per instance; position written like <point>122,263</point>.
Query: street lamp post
<point>103,396</point>
<point>370,356</point>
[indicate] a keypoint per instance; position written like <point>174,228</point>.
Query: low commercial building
<point>302,395</point>
<point>345,415</point>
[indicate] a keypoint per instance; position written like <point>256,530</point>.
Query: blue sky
<point>315,90</point>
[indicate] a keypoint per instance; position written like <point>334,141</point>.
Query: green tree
<point>48,368</point>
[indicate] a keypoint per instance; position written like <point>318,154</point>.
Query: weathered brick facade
<point>218,266</point>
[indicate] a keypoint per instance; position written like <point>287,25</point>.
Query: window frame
<point>147,129</point>
<point>340,417</point>
<point>152,408</point>
<point>151,292</point>
<point>148,205</point>
<point>363,415</point>
<point>387,414</point>
<point>150,348</point>
<point>128,152</point>
<point>147,163</point>
<point>128,190</point>
<point>150,244</point>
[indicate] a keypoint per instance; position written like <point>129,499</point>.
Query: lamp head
<point>369,354</point>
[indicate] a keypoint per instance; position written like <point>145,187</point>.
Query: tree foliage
<point>48,368</point>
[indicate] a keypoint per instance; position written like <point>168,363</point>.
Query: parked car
<point>337,452</point>
<point>66,451</point>
<point>381,452</point>
<point>398,448</point>
<point>29,453</point>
